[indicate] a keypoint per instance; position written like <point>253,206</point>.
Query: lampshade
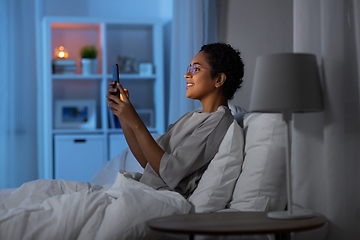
<point>286,82</point>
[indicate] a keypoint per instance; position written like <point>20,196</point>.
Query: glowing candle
<point>61,52</point>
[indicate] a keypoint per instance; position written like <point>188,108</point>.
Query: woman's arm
<point>151,150</point>
<point>140,141</point>
<point>129,134</point>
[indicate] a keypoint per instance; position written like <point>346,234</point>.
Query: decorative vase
<point>89,66</point>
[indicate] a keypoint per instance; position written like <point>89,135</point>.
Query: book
<point>64,66</point>
<point>64,62</point>
<point>111,119</point>
<point>61,68</point>
<point>117,122</point>
<point>64,69</point>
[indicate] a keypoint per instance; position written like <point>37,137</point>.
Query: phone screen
<point>115,73</point>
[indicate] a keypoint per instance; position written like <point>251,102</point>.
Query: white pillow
<point>236,109</point>
<point>217,183</point>
<point>262,183</point>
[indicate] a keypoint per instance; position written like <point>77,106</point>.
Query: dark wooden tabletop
<point>232,223</point>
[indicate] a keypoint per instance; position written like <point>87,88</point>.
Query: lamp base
<point>295,214</point>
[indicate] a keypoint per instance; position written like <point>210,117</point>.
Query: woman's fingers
<point>112,99</point>
<point>112,89</point>
<point>120,107</point>
<point>124,93</point>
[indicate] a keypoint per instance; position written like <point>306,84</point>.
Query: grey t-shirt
<point>189,145</point>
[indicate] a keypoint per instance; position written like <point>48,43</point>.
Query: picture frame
<point>75,114</point>
<point>127,64</point>
<point>146,69</point>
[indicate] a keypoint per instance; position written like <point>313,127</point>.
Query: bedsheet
<point>60,209</point>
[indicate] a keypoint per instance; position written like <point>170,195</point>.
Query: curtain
<point>18,147</point>
<point>194,24</point>
<point>326,156</point>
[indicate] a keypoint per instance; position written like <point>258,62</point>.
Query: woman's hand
<point>122,107</point>
<point>112,89</point>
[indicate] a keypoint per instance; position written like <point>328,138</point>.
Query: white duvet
<point>59,209</point>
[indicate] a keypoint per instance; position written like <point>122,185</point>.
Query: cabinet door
<point>78,157</point>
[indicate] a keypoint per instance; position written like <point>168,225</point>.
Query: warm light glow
<point>61,52</point>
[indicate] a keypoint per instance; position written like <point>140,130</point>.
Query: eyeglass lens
<point>191,69</point>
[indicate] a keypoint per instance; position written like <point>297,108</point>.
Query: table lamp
<point>287,83</point>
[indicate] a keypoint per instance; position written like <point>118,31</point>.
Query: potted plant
<point>89,63</point>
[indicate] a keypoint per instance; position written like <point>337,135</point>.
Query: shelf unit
<point>141,40</point>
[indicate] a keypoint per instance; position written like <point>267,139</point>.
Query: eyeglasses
<point>192,69</point>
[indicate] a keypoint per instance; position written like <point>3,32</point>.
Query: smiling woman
<point>220,65</point>
<point>177,160</point>
<point>202,86</point>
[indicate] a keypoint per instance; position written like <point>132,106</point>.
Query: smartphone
<point>115,73</point>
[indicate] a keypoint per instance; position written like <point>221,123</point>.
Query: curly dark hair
<point>224,59</point>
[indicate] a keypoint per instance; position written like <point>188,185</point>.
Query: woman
<point>177,160</point>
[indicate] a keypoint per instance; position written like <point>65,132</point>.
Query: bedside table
<point>232,223</point>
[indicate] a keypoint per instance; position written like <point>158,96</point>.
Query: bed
<point>247,174</point>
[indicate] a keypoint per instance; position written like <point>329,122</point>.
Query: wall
<point>131,9</point>
<point>256,28</point>
<point>108,8</point>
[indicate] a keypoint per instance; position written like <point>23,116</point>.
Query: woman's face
<point>199,82</point>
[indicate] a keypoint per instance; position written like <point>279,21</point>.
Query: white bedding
<point>58,209</point>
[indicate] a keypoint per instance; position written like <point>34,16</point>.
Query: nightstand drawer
<point>78,157</point>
